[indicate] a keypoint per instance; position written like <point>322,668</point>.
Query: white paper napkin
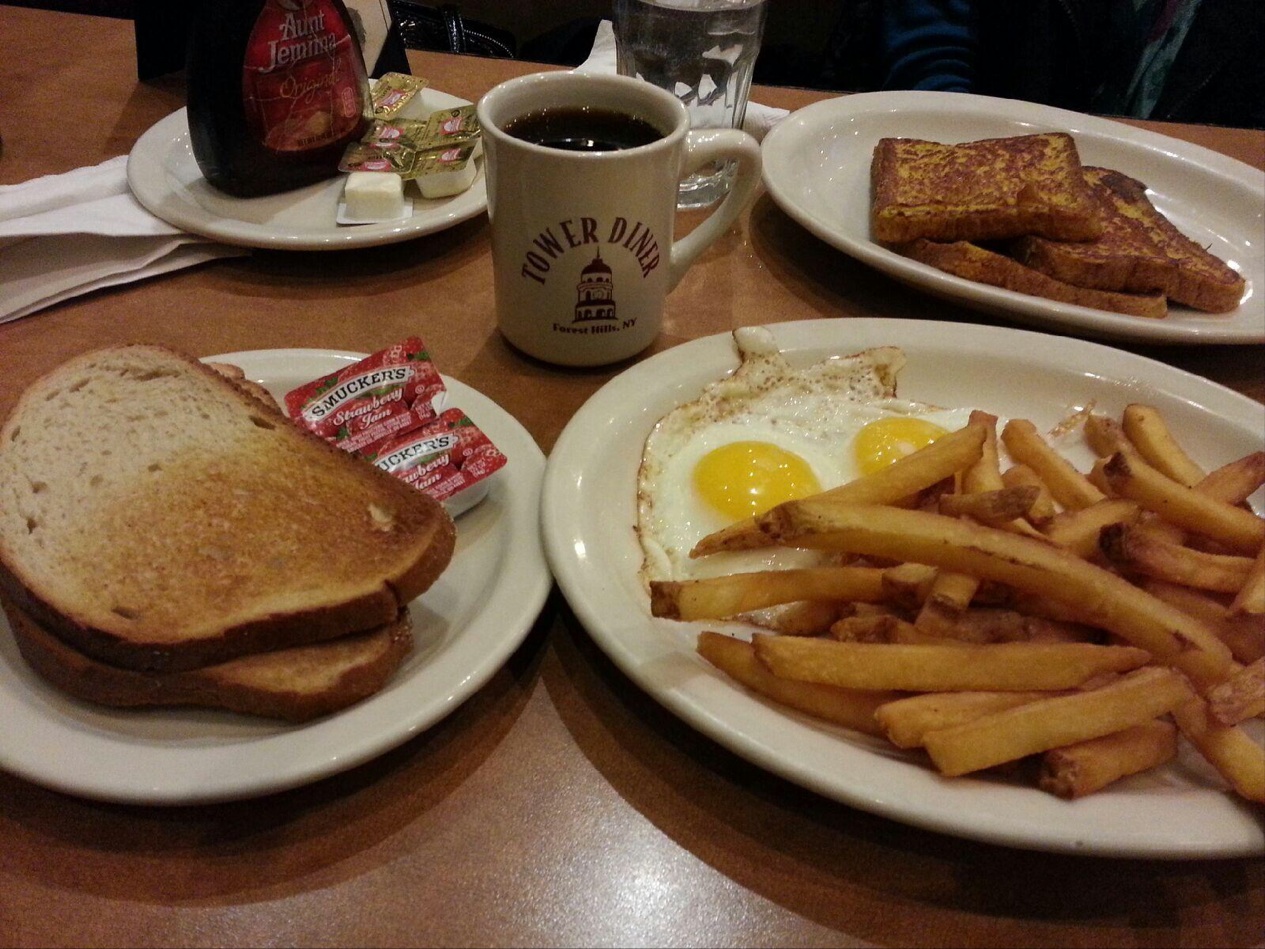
<point>759,118</point>
<point>64,235</point>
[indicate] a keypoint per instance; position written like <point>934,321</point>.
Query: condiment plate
<point>165,178</point>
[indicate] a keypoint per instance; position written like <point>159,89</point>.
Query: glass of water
<point>702,51</point>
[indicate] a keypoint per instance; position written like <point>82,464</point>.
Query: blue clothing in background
<point>928,44</point>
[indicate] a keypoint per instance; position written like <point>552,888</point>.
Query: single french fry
<point>907,584</point>
<point>1142,552</point>
<point>1235,481</point>
<point>1238,529</point>
<point>1250,598</point>
<point>984,474</point>
<point>800,618</point>
<point>1042,509</point>
<point>1151,436</point>
<point>943,667</point>
<point>1240,697</point>
<point>1088,766</point>
<point>731,594</point>
<point>1078,530</point>
<point>874,628</point>
<point>951,591</point>
<point>1038,726</point>
<point>901,479</point>
<point>906,720</point>
<point>1096,595</point>
<point>737,659</point>
<point>1243,633</point>
<point>1068,486</point>
<point>1228,748</point>
<point>1105,435</point>
<point>990,507</point>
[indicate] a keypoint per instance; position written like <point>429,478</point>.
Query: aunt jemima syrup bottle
<point>276,91</point>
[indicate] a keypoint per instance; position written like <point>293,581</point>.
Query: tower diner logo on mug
<point>582,173</point>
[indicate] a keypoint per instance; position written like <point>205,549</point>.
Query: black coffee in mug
<point>583,129</point>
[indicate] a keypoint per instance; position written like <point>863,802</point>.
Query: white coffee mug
<point>582,241</point>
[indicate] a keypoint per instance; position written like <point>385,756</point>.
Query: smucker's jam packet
<point>395,402</point>
<point>387,382</point>
<point>448,457</point>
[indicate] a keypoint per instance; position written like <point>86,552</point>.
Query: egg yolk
<point>742,479</point>
<point>883,441</point>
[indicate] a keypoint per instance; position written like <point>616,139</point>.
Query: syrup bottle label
<point>302,77</point>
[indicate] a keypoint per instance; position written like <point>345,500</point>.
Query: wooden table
<point>559,805</point>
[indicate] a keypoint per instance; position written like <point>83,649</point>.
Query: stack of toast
<point>169,537</point>
<point>1024,214</point>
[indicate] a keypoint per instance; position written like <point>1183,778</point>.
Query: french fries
<point>1088,766</point>
<point>1086,620</point>
<point>852,709</point>
<point>1054,722</point>
<point>943,667</point>
<point>729,595</point>
<point>1150,435</point>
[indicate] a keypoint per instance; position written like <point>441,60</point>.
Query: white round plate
<point>817,169</point>
<point>465,627</point>
<point>588,511</point>
<point>165,178</point>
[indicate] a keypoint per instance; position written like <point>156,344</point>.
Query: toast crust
<point>295,685</point>
<point>186,523</point>
<point>991,189</point>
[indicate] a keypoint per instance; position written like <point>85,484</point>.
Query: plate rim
<point>1047,314</point>
<point>698,358</point>
<point>148,163</point>
<point>506,617</point>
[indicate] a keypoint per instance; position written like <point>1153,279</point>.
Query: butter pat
<point>373,197</point>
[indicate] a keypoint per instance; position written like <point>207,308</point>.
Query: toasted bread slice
<point>990,189</point>
<point>1140,251</point>
<point>158,518</point>
<point>972,262</point>
<point>296,684</point>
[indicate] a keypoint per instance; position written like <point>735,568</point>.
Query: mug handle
<point>713,145</point>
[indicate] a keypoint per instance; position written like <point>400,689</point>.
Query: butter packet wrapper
<point>362,156</point>
<point>392,91</point>
<point>443,172</point>
<point>451,126</point>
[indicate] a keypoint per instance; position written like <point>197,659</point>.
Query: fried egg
<point>770,432</point>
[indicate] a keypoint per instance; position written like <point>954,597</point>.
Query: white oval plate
<point>817,169</point>
<point>465,626</point>
<point>164,177</point>
<point>588,511</point>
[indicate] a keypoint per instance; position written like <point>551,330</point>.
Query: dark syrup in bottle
<point>276,91</point>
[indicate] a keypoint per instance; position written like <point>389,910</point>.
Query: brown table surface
<point>558,805</point>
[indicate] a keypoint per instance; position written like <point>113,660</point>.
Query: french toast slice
<point>991,189</point>
<point>1140,251</point>
<point>973,262</point>
<point>158,518</point>
<point>296,684</point>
